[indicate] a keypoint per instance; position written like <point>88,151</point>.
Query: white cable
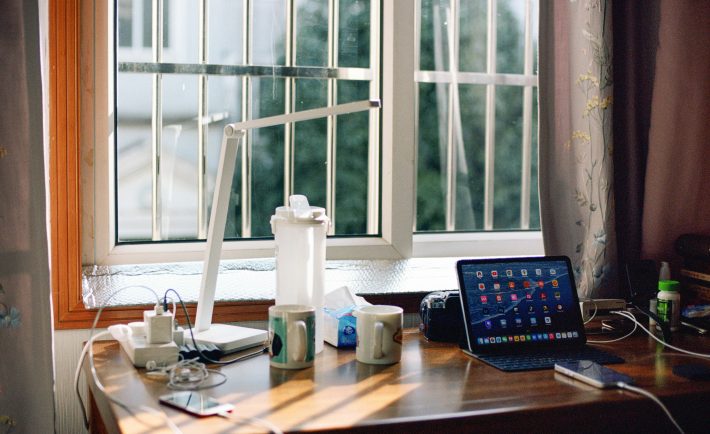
<point>631,316</point>
<point>653,398</point>
<point>593,314</point>
<point>94,374</point>
<point>617,339</point>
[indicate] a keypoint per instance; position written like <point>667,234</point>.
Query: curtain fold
<point>635,45</point>
<point>676,198</point>
<point>576,164</point>
<point>26,364</point>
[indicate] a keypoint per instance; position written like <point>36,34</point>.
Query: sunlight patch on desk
<point>366,405</point>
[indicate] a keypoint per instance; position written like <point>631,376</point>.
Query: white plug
<point>158,325</point>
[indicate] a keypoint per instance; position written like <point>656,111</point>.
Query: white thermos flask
<point>300,233</point>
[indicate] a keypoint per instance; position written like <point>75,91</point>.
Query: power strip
<point>141,352</point>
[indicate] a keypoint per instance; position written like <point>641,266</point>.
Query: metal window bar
<point>489,187</point>
<point>526,158</point>
<point>454,121</point>
<point>331,133</point>
<point>289,86</point>
<point>373,178</point>
<point>247,140</point>
<point>157,120</point>
<point>202,125</point>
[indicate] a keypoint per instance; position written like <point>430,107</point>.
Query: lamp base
<point>229,338</point>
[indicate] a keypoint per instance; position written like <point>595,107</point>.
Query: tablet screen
<point>519,302</point>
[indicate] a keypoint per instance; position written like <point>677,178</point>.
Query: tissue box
<point>338,320</point>
<point>340,327</point>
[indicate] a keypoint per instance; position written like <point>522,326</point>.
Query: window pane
<point>134,156</point>
<point>310,159</point>
<point>473,35</point>
<point>225,32</point>
<point>352,162</point>
<point>125,23</point>
<point>471,168</point>
<point>510,36</point>
<point>147,20</point>
<point>228,91</point>
<point>268,154</point>
<point>224,106</point>
<point>354,33</point>
<point>178,160</point>
<point>434,40</point>
<point>508,130</point>
<point>431,157</point>
<point>311,32</point>
<point>269,32</point>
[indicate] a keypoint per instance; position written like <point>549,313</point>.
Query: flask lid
<point>299,211</point>
<point>668,285</point>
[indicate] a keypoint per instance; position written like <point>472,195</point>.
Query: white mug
<point>379,334</point>
<point>291,336</point>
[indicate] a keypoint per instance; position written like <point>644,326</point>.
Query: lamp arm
<point>218,220</point>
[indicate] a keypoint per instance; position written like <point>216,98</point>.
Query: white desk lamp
<point>227,337</point>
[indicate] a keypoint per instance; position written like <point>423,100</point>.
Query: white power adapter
<point>158,325</point>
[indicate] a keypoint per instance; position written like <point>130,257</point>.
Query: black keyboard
<point>546,359</point>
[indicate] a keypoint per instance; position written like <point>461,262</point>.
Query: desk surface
<point>435,386</point>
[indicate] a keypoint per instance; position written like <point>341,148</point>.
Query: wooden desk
<point>435,388</point>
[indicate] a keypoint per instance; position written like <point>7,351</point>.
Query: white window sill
<point>255,280</point>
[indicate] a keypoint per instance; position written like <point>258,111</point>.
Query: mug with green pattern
<point>292,336</point>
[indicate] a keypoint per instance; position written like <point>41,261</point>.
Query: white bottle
<point>668,304</point>
<point>664,274</point>
<point>300,234</point>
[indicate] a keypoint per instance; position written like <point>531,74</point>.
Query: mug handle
<point>379,332</point>
<point>301,347</point>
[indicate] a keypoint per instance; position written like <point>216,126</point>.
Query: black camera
<point>441,316</point>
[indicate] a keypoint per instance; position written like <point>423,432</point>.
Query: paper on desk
<point>339,322</point>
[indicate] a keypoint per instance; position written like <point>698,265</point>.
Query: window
<point>234,61</point>
<point>447,163</point>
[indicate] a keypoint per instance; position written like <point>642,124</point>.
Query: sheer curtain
<point>26,366</point>
<point>576,164</point>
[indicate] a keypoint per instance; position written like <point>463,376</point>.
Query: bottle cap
<point>668,285</point>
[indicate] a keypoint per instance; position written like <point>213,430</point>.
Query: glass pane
<point>269,32</point>
<point>179,156</point>
<point>125,23</point>
<point>181,31</point>
<point>224,106</point>
<point>352,162</point>
<point>169,22</point>
<point>508,130</point>
<point>225,32</point>
<point>431,156</point>
<point>312,32</point>
<point>310,159</point>
<point>473,35</point>
<point>134,157</point>
<point>354,34</point>
<point>471,159</point>
<point>434,40</point>
<point>268,154</point>
<point>510,37</point>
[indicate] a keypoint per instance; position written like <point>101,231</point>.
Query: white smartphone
<point>592,373</point>
<point>195,403</point>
